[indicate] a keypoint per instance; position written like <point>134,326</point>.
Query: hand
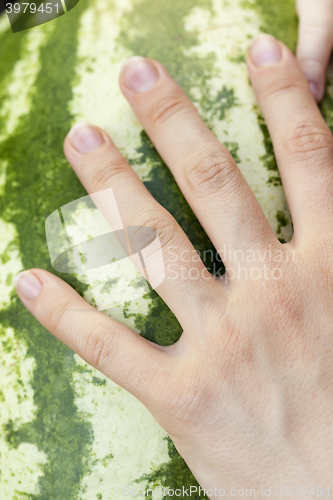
<point>246,394</point>
<point>315,41</point>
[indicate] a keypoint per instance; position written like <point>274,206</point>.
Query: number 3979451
<point>31,8</point>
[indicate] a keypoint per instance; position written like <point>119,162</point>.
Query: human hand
<point>246,394</point>
<point>315,41</point>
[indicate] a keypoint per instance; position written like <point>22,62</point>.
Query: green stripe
<point>38,181</point>
<point>278,17</point>
<point>12,48</point>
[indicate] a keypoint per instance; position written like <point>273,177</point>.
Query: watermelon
<point>66,431</point>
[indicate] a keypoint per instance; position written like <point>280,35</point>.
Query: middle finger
<point>203,167</point>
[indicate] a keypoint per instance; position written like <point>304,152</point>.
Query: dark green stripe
<point>278,17</point>
<point>12,48</point>
<point>39,180</point>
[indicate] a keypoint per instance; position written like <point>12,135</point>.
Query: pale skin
<point>246,394</point>
<point>315,41</point>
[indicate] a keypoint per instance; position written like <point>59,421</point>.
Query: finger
<point>315,41</point>
<point>101,166</point>
<point>302,141</point>
<point>122,355</point>
<point>203,168</point>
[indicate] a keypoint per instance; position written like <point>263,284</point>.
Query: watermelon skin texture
<point>66,432</point>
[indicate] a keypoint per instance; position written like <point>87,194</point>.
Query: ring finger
<point>303,142</point>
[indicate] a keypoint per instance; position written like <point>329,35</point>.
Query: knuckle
<point>165,108</point>
<point>100,345</point>
<point>315,30</point>
<point>286,302</point>
<point>141,236</point>
<point>57,316</point>
<point>190,402</point>
<point>107,171</point>
<point>321,253</point>
<point>280,86</point>
<point>164,224</point>
<point>309,141</point>
<point>210,171</point>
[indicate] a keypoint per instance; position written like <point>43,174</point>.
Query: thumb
<point>129,360</point>
<point>315,41</point>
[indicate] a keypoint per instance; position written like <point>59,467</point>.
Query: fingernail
<point>316,91</point>
<point>265,51</point>
<point>27,285</point>
<point>138,74</point>
<point>85,138</point>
